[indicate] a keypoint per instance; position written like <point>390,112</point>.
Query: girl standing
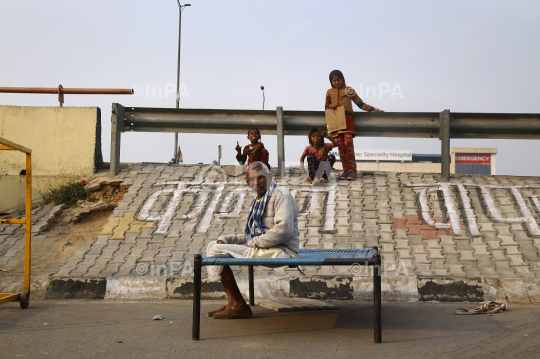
<point>341,95</point>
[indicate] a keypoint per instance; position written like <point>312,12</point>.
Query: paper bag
<point>335,119</point>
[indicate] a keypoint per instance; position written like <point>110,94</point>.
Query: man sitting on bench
<point>271,231</point>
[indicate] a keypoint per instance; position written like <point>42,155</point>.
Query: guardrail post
<point>117,127</point>
<point>280,142</point>
<point>444,136</point>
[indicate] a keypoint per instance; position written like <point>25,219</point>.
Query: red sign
<point>473,158</point>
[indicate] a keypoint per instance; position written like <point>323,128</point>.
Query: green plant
<point>67,194</point>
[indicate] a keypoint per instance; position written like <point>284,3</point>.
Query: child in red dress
<point>319,161</point>
<point>341,95</point>
<point>254,152</point>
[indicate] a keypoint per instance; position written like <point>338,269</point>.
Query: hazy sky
<point>466,56</point>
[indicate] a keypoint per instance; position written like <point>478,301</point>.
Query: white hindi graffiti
<point>228,198</point>
<point>210,199</point>
<point>468,211</point>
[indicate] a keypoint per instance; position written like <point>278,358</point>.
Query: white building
<point>465,160</point>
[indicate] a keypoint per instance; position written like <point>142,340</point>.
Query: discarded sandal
<point>211,314</point>
<point>489,307</point>
<point>464,311</point>
<point>236,313</point>
<point>502,303</point>
<point>497,306</point>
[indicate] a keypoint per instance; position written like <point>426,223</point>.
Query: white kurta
<point>281,240</point>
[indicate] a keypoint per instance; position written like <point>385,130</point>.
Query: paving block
<point>149,254</point>
<point>177,256</point>
<point>110,226</point>
<point>504,269</point>
<point>398,223</point>
<point>111,269</point>
<point>387,237</point>
<point>165,251</point>
<point>146,232</point>
<point>435,253</point>
<point>127,268</point>
<point>471,268</point>
<point>95,249</point>
<point>84,266</point>
<point>119,257</point>
<point>136,226</point>
<point>136,252</point>
<point>98,267</point>
<point>484,261</point>
<point>480,249</point>
<point>157,238</point>
<point>371,231</point>
<point>118,213</point>
<point>130,238</point>
<point>512,250</point>
<point>69,266</point>
<point>466,254</point>
<point>123,225</point>
<point>428,234</point>
<point>528,250</point>
<point>516,260</point>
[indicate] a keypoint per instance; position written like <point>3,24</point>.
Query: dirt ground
<point>70,236</point>
<point>112,329</point>
<point>75,234</point>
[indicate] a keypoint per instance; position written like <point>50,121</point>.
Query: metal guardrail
<point>443,125</point>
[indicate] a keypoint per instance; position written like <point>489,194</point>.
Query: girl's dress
<point>319,158</point>
<point>345,96</point>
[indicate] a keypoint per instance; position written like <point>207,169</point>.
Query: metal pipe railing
<point>61,91</point>
<point>443,125</point>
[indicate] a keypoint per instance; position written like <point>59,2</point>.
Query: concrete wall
<point>65,144</point>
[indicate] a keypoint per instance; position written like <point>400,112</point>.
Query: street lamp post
<point>180,9</point>
<point>262,89</point>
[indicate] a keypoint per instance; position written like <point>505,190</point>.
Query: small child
<point>317,156</point>
<point>341,95</point>
<point>254,152</point>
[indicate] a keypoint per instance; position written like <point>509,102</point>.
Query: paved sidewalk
<point>84,329</point>
<point>12,235</point>
<point>470,238</point>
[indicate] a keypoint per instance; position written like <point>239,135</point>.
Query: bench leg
<point>197,268</point>
<point>251,287</point>
<point>377,300</point>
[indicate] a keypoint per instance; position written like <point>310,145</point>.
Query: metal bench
<point>306,257</point>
